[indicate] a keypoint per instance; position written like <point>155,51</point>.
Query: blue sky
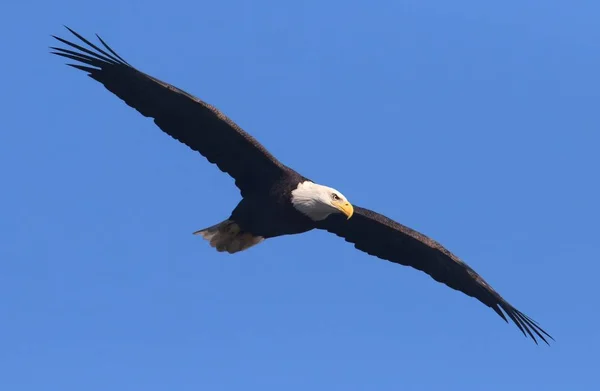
<point>475,123</point>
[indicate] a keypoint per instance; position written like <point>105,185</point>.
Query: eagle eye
<point>335,197</point>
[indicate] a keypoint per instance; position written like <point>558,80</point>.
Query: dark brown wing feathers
<point>184,117</point>
<point>379,236</point>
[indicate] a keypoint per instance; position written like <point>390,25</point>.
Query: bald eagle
<point>277,200</point>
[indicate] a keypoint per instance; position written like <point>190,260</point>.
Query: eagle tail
<point>227,236</point>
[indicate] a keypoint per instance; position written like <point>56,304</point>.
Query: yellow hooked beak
<point>345,207</point>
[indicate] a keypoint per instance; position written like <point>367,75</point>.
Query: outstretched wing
<point>184,117</point>
<point>379,236</point>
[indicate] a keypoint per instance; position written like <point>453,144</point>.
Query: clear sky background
<point>474,122</point>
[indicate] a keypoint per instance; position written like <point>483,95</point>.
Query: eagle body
<point>272,214</point>
<point>289,205</point>
<point>276,200</point>
<point>264,213</point>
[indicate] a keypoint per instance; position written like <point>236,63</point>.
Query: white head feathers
<point>318,201</point>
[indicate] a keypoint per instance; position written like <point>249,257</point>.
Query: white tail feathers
<point>226,236</point>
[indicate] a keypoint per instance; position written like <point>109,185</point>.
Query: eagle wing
<point>382,237</point>
<point>184,117</point>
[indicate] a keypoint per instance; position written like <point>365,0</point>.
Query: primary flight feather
<point>277,200</point>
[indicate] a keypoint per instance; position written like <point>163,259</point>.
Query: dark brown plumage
<point>179,114</point>
<point>384,238</point>
<point>275,200</point>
